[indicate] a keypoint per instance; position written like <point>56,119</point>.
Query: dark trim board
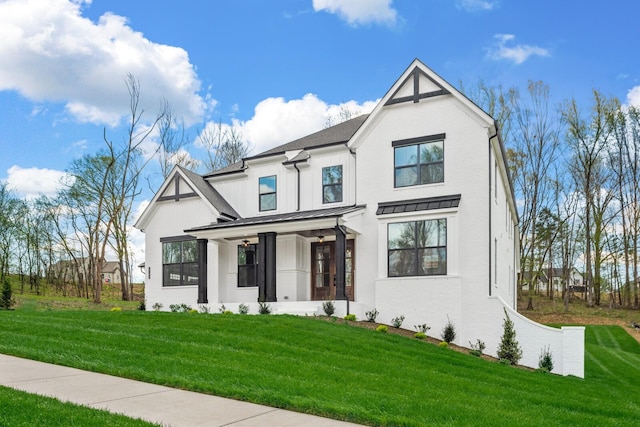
<point>416,140</point>
<point>417,95</point>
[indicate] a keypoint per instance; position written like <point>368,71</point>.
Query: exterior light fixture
<point>245,243</point>
<point>321,239</point>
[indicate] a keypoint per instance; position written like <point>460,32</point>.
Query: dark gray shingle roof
<point>338,134</point>
<point>212,195</point>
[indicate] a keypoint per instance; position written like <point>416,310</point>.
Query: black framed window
<point>267,189</point>
<point>332,184</point>
<point>247,266</point>
<point>179,262</point>
<point>417,164</point>
<point>417,248</point>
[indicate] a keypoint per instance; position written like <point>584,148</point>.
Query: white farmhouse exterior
<point>408,210</point>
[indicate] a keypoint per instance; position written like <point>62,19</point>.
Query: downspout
<point>490,218</point>
<point>355,187</point>
<point>295,165</point>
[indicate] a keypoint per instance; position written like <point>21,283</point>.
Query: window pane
<point>267,184</point>
<point>406,176</point>
<point>432,261</point>
<point>332,193</point>
<point>402,235</point>
<point>267,202</point>
<point>402,262</point>
<point>432,152</point>
<point>171,252</point>
<point>431,173</point>
<point>189,251</point>
<point>332,175</point>
<point>246,276</point>
<point>190,273</point>
<point>404,156</point>
<point>171,275</point>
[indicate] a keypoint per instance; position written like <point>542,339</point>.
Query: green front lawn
<point>333,370</point>
<point>20,409</point>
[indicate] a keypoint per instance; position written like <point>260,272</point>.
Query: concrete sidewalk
<point>158,404</point>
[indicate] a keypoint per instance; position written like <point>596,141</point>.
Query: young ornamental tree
<point>509,349</point>
<point>6,299</point>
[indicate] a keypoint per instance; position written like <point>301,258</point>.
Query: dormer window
<point>267,189</point>
<point>332,184</point>
<point>419,161</point>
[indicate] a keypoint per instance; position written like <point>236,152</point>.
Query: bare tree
<point>588,138</point>
<point>173,141</point>
<point>224,145</point>
<point>534,151</point>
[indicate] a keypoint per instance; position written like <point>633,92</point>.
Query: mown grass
<point>333,370</point>
<point>20,409</point>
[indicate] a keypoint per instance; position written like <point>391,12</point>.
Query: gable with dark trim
<point>419,93</point>
<point>414,205</point>
<point>177,195</point>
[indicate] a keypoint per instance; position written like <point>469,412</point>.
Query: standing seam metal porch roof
<point>280,218</point>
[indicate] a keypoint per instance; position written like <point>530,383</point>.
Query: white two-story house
<point>408,210</point>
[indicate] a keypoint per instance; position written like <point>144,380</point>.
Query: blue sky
<point>276,69</point>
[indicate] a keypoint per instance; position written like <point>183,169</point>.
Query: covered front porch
<point>291,261</point>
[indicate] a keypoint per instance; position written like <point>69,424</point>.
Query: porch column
<point>341,264</point>
<point>202,271</point>
<point>267,267</point>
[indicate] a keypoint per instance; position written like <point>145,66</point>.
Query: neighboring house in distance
<point>111,272</point>
<point>408,210</point>
<point>541,282</point>
<point>71,272</point>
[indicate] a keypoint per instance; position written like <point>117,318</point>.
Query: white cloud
<point>30,183</point>
<point>358,12</point>
<point>50,52</point>
<point>276,121</point>
<point>517,54</point>
<point>633,97</point>
<point>474,5</point>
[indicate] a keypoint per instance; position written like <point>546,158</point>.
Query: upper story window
<point>247,265</point>
<point>417,248</point>
<point>332,184</point>
<point>179,262</point>
<point>267,188</point>
<point>419,160</point>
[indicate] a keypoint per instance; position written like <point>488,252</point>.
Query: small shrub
<point>509,349</point>
<point>6,299</point>
<point>382,328</point>
<point>157,306</point>
<point>351,317</point>
<point>180,308</point>
<point>504,362</point>
<point>116,309</point>
<point>545,362</point>
<point>448,332</point>
<point>227,312</point>
<point>422,328</point>
<point>420,335</point>
<point>204,309</point>
<point>477,348</point>
<point>371,315</point>
<point>396,322</point>
<point>443,344</point>
<point>142,306</point>
<point>329,308</point>
<point>264,308</point>
<point>192,311</point>
<point>243,309</point>
<point>222,309</point>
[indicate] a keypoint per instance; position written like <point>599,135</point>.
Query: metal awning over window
<point>426,204</point>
